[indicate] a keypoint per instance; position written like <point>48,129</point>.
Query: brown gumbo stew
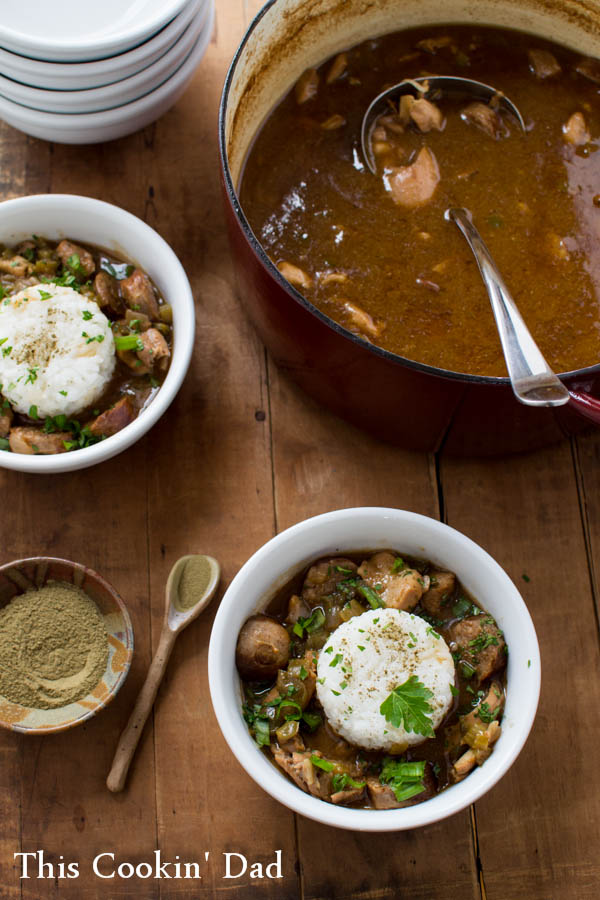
<point>374,252</point>
<point>281,654</point>
<point>114,295</point>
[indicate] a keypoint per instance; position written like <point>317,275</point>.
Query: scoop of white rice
<point>369,656</point>
<point>57,350</point>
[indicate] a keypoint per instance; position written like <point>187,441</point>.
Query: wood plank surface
<point>241,454</point>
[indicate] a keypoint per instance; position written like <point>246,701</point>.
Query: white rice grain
<point>365,659</point>
<point>57,350</point>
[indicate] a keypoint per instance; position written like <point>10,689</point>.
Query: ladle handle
<point>130,737</point>
<point>533,381</point>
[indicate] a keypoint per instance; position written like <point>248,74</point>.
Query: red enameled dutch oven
<point>415,405</point>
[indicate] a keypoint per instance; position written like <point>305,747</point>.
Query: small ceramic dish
<point>71,30</point>
<point>94,222</point>
<point>350,530</point>
<point>111,95</point>
<point>25,574</point>
<point>77,76</point>
<point>98,127</point>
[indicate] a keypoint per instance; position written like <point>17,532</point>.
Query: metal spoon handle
<point>533,381</point>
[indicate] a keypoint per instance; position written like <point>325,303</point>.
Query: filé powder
<point>53,647</point>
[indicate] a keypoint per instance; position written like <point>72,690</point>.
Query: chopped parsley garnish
<point>343,570</point>
<point>398,565</point>
<point>44,295</point>
<point>336,659</point>
<point>329,649</point>
<point>31,375</point>
<point>483,641</point>
<point>6,351</point>
<point>408,706</point>
<point>310,624</point>
<point>343,781</point>
<point>33,412</point>
<point>87,315</point>
<point>433,632</point>
<point>303,673</point>
<point>486,714</point>
<point>361,648</point>
<point>453,690</point>
<point>468,671</point>
<point>462,608</point>
<point>404,778</point>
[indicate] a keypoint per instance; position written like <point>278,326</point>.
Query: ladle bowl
<point>430,87</point>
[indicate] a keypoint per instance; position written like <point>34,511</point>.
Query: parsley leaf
<point>408,705</point>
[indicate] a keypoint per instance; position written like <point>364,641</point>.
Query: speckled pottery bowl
<point>25,574</point>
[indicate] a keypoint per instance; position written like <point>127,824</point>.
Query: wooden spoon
<point>176,619</point>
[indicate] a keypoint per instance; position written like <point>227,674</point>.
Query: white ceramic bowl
<point>75,30</point>
<point>95,128</point>
<point>93,221</point>
<point>111,95</point>
<point>72,76</point>
<point>414,535</point>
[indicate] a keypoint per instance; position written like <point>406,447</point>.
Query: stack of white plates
<point>81,72</point>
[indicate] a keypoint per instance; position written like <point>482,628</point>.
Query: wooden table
<point>240,455</point>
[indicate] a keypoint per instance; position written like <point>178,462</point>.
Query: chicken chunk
<point>480,643</point>
<point>575,130</point>
<point>432,45</point>
<point>299,767</point>
<point>114,419</point>
<point>479,730</point>
<point>298,608</point>
<point>426,116</point>
<point>307,86</point>
<point>414,185</point>
<point>75,258</point>
<point>351,795</point>
<point>33,441</point>
<point>294,275</point>
<point>155,349</point>
<point>322,578</point>
<point>6,417</point>
<point>398,587</point>
<point>139,294</point>
<point>483,117</point>
<point>543,64</point>
<point>441,585</point>
<point>589,68</point>
<point>16,265</point>
<point>107,292</point>
<point>383,797</point>
<point>361,320</point>
<point>337,68</point>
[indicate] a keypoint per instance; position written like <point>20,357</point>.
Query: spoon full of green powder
<point>190,588</point>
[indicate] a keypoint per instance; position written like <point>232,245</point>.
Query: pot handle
<point>586,405</point>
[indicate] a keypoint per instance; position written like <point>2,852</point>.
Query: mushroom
<point>263,648</point>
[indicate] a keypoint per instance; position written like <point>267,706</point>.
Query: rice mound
<point>46,361</point>
<point>353,682</point>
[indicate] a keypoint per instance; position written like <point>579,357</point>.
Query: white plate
<point>94,128</point>
<point>80,30</point>
<point>79,76</point>
<point>112,95</point>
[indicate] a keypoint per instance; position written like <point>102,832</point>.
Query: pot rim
<point>272,269</point>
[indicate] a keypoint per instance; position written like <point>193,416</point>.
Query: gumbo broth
<point>401,276</point>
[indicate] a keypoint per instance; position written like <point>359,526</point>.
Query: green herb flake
<point>408,706</point>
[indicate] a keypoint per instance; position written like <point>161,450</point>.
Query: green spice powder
<point>194,581</point>
<point>53,647</point>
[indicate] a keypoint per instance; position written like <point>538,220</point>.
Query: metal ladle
<point>429,87</point>
<point>533,381</point>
